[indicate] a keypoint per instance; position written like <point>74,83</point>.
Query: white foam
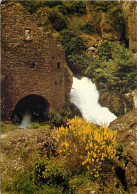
<point>85,96</point>
<point>26,121</point>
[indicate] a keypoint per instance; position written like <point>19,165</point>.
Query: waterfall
<point>26,121</point>
<point>85,96</point>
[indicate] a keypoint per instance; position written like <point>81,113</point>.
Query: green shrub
<point>117,18</point>
<point>65,37</point>
<point>78,62</point>
<point>52,173</point>
<point>94,70</point>
<point>74,50</point>
<point>104,50</point>
<point>31,6</point>
<point>62,9</point>
<point>59,118</point>
<point>22,183</point>
<point>75,7</point>
<point>71,42</point>
<point>88,28</point>
<point>56,118</point>
<point>75,25</point>
<point>119,73</point>
<point>57,21</point>
<point>34,126</point>
<point>122,70</point>
<point>76,45</point>
<point>5,127</point>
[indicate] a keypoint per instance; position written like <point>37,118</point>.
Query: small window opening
<point>28,35</point>
<point>58,65</point>
<point>32,65</point>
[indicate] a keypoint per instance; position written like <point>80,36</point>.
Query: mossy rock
<point>117,103</point>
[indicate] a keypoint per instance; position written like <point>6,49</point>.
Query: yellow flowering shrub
<point>85,146</point>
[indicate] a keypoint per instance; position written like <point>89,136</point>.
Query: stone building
<point>32,65</point>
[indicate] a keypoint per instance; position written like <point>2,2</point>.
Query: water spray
<point>26,121</point>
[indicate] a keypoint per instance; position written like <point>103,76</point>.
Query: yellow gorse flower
<point>84,145</point>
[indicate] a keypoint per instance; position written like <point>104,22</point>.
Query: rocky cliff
<point>126,127</point>
<point>130,10</point>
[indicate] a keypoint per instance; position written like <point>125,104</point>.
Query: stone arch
<point>35,105</point>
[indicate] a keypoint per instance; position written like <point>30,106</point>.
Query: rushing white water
<point>26,121</point>
<point>85,96</point>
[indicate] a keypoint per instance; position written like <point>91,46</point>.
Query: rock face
<point>32,62</point>
<point>130,9</point>
<point>107,30</point>
<point>126,127</point>
<point>68,80</point>
<point>117,103</point>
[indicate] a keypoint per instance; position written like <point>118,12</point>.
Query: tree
<point>125,69</point>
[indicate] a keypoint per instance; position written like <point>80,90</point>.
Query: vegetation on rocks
<point>118,73</point>
<point>37,160</point>
<point>77,156</point>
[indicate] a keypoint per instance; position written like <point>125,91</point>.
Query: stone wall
<point>32,62</point>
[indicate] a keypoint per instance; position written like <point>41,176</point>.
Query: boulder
<point>126,127</point>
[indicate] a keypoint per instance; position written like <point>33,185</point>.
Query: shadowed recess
<point>35,105</point>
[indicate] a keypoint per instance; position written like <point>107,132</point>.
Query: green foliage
<point>119,72</point>
<point>5,127</point>
<point>88,28</point>
<point>56,118</point>
<point>71,42</point>
<point>65,37</point>
<point>51,172</point>
<point>75,25</point>
<point>75,45</point>
<point>123,75</point>
<point>78,62</point>
<point>77,181</point>
<point>35,125</point>
<point>75,7</point>
<point>117,18</point>
<point>114,12</point>
<point>60,117</point>
<point>66,8</point>
<point>74,50</point>
<point>22,183</point>
<point>104,50</point>
<point>57,21</point>
<point>33,6</point>
<point>95,66</point>
<point>62,9</point>
<point>44,176</point>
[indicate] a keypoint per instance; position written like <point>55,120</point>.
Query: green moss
<point>5,127</point>
<point>115,104</point>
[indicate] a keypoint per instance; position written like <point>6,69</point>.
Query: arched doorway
<point>34,105</point>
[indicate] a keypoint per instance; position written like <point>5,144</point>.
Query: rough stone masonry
<point>32,62</point>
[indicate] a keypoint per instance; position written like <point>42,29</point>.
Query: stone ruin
<point>32,65</point>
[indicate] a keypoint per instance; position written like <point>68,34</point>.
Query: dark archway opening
<point>35,105</point>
